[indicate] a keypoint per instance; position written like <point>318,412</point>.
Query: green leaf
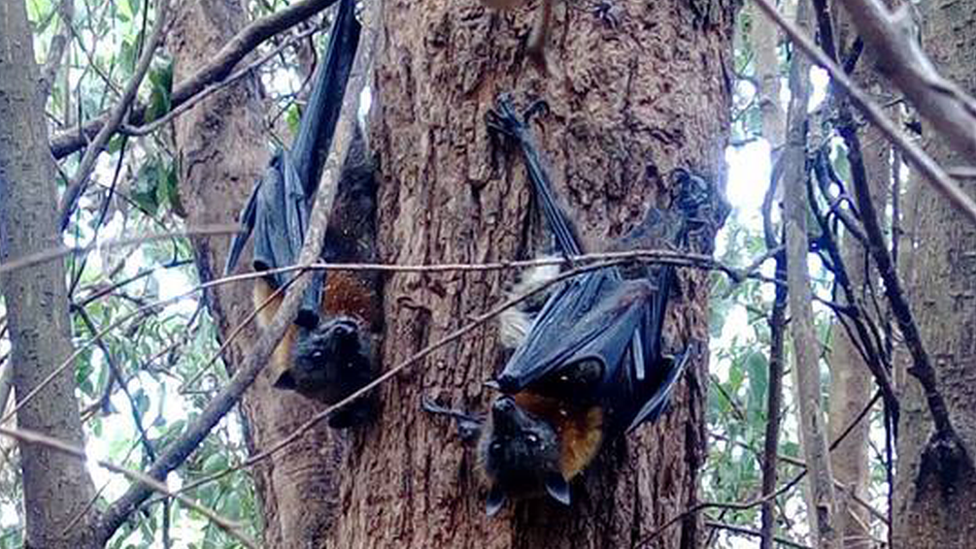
<point>160,97</point>
<point>144,188</point>
<point>141,400</point>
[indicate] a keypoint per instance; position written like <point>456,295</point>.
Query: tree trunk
<point>627,106</point>
<point>223,149</point>
<point>933,503</point>
<point>57,487</point>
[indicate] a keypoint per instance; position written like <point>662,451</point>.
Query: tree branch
<point>750,532</point>
<point>77,184</point>
<point>936,176</point>
<point>34,437</point>
<point>250,37</point>
<point>822,504</point>
<point>900,58</point>
<point>177,452</point>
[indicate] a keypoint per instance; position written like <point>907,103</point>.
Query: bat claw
<point>469,427</point>
<point>608,13</point>
<point>539,107</point>
<point>503,118</point>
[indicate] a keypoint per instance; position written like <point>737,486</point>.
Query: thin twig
<point>116,372</point>
<point>210,89</point>
<point>755,533</point>
<point>57,253</point>
<point>236,49</point>
<point>417,357</point>
<point>922,161</point>
<point>77,185</point>
<point>178,451</point>
<point>742,506</point>
<point>900,57</point>
<point>33,437</point>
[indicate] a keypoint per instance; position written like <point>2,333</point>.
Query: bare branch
<point>34,437</point>
<point>741,506</point>
<point>223,62</point>
<point>78,183</point>
<point>822,504</point>
<point>210,89</point>
<point>921,368</point>
<point>755,533</point>
<point>936,176</point>
<point>893,37</point>
<point>56,52</point>
<point>57,253</point>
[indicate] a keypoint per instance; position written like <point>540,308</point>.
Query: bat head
<point>328,363</point>
<point>521,455</point>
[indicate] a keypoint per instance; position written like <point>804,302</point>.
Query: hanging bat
<point>590,364</point>
<point>329,351</point>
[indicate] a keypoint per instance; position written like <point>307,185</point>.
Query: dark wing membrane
<point>669,370</point>
<point>593,317</point>
<point>278,208</point>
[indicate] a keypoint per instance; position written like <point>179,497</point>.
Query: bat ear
<point>285,381</point>
<point>558,488</point>
<point>496,498</point>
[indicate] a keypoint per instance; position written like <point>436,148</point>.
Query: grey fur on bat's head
<point>520,456</point>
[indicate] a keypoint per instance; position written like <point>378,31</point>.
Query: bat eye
<point>318,355</point>
<point>532,438</point>
<point>496,446</point>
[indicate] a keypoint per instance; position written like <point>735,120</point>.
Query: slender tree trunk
<point>223,149</point>
<point>850,380</point>
<point>627,106</point>
<point>934,504</point>
<point>56,486</point>
<point>821,499</point>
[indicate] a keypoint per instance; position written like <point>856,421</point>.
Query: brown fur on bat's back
<point>344,293</point>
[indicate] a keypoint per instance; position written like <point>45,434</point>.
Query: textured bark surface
<point>222,151</point>
<point>934,505</point>
<point>56,486</point>
<point>627,106</point>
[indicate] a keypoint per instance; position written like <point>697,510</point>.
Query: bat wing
<point>247,219</point>
<point>659,394</point>
<point>595,317</point>
<point>278,209</point>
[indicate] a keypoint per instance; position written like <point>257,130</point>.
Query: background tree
<point>929,488</point>
<point>56,486</point>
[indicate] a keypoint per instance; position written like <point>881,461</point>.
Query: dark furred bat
<point>591,365</point>
<point>329,352</point>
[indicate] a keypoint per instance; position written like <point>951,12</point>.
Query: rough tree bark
<point>56,486</point>
<point>627,106</point>
<point>934,504</point>
<point>223,148</point>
